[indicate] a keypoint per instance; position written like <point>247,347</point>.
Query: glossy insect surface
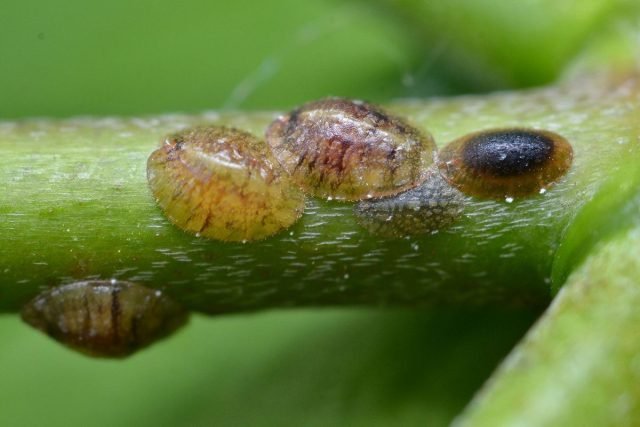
<point>506,163</point>
<point>224,184</point>
<point>104,318</point>
<point>428,208</point>
<point>350,150</point>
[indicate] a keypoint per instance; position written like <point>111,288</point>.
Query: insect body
<point>503,163</point>
<point>430,207</point>
<point>224,184</point>
<point>104,318</point>
<point>350,150</point>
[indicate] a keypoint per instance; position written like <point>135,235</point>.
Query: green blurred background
<point>325,367</point>
<point>62,58</point>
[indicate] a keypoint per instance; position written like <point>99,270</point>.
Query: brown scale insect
<point>224,184</point>
<point>427,208</point>
<point>505,163</point>
<point>350,150</point>
<point>104,318</point>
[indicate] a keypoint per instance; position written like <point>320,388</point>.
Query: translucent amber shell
<point>224,184</point>
<point>350,150</point>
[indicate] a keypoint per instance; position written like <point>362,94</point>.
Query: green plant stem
<point>76,206</point>
<point>579,365</point>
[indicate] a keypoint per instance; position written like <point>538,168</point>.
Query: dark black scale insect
<point>505,163</point>
<point>508,153</point>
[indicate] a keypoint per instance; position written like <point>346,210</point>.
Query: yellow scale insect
<point>224,184</point>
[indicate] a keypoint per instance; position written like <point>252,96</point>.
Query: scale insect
<point>350,150</point>
<point>105,318</point>
<point>224,184</point>
<point>430,207</point>
<point>505,163</point>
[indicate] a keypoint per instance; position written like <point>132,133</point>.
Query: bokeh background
<point>301,367</point>
<point>62,58</point>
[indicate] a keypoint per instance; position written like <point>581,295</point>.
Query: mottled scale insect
<point>428,208</point>
<point>350,150</point>
<point>224,184</point>
<point>505,163</point>
<point>104,318</point>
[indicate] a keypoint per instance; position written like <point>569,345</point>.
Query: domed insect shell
<point>343,149</point>
<point>506,163</point>
<point>104,318</point>
<point>224,184</point>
